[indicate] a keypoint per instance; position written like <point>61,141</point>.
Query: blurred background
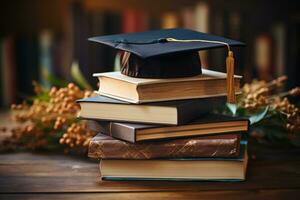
<point>41,39</point>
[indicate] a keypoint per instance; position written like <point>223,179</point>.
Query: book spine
<point>27,68</point>
<point>8,72</point>
<point>121,132</point>
<point>113,129</point>
<point>45,57</point>
<point>169,20</point>
<point>130,21</point>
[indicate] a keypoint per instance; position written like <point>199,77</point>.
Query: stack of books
<point>163,129</point>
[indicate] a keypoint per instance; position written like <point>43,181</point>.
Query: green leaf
<point>232,108</point>
<point>78,77</point>
<point>55,81</point>
<point>42,97</point>
<point>258,117</point>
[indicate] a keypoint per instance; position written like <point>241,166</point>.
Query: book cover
<point>106,147</point>
<point>210,124</point>
<point>168,112</point>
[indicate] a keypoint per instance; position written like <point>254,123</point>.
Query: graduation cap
<point>168,53</point>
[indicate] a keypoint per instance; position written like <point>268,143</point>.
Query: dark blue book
<point>27,65</point>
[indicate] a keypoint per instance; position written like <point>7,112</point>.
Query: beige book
<point>185,169</point>
<point>139,90</point>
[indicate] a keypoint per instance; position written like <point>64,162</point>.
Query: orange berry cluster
<point>77,135</point>
<point>53,116</point>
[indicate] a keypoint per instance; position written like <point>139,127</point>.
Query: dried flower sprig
<point>258,93</point>
<point>262,95</point>
<point>50,119</point>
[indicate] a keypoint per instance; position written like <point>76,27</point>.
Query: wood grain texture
<point>204,195</point>
<point>273,174</point>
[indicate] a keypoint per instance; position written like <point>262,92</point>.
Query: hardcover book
<point>195,169</point>
<point>171,112</point>
<point>209,124</point>
<point>106,147</point>
<point>141,90</point>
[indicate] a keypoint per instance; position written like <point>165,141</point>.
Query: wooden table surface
<point>273,173</point>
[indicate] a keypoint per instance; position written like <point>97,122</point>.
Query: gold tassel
<point>230,78</point>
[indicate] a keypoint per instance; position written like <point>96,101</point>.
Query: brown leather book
<point>210,124</point>
<point>106,147</point>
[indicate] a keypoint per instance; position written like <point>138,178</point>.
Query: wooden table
<point>273,173</point>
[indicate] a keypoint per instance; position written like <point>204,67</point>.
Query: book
<point>202,20</point>
<point>279,33</point>
<point>188,17</point>
<point>134,21</point>
<point>45,41</point>
<point>169,20</point>
<point>8,71</point>
<point>106,147</point>
<point>27,64</point>
<point>291,68</point>
<point>140,90</point>
<point>201,169</point>
<point>264,47</point>
<point>210,124</point>
<point>169,112</point>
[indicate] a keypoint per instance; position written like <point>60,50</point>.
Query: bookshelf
<point>70,22</point>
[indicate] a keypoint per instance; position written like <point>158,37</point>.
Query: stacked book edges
<point>164,129</point>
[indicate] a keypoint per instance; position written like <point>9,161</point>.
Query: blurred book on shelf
<point>45,58</point>
<point>279,33</point>
<point>263,48</point>
<point>27,63</point>
<point>8,71</point>
<point>134,21</point>
<point>169,20</point>
<point>202,12</point>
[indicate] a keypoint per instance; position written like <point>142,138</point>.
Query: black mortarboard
<point>167,53</point>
